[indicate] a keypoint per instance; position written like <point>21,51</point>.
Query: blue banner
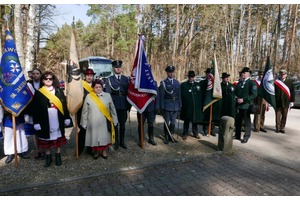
<point>14,92</point>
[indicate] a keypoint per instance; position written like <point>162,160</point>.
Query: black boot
<point>48,160</point>
<point>116,144</point>
<point>139,132</point>
<point>166,140</point>
<point>172,128</point>
<point>57,159</point>
<point>122,136</point>
<point>150,134</point>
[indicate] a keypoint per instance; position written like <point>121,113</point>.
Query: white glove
<point>291,104</point>
<point>83,126</point>
<point>26,118</point>
<point>115,124</point>
<point>37,127</point>
<point>67,122</point>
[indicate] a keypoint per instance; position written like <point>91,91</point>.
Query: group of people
<point>105,110</point>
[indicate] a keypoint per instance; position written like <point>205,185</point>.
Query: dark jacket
<point>282,100</point>
<point>118,91</point>
<point>192,107</point>
<point>247,92</point>
<point>169,95</point>
<point>227,101</point>
<point>40,114</point>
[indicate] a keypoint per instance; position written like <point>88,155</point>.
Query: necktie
<point>118,77</point>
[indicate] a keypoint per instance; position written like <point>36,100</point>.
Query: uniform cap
<point>170,68</point>
<point>283,71</point>
<point>117,63</point>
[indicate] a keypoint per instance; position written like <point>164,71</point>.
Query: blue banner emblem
<point>14,92</point>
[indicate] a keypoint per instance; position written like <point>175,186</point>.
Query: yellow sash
<point>105,112</point>
<point>52,98</point>
<point>87,86</point>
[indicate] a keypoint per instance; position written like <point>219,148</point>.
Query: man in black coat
<point>228,94</point>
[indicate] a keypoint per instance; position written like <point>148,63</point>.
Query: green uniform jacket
<point>247,92</point>
<point>282,100</point>
<point>191,97</point>
<point>228,102</point>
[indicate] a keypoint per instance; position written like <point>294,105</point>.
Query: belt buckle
<point>173,98</point>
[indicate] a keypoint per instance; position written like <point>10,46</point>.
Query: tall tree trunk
<point>176,34</point>
<point>39,21</point>
<point>3,24</point>
<point>267,37</point>
<point>112,39</point>
<point>239,39</point>
<point>288,22</point>
<point>292,42</point>
<point>191,36</point>
<point>254,48</point>
<point>29,62</point>
<point>277,37</point>
<point>247,36</point>
<point>138,24</point>
<point>167,38</point>
<point>24,27</point>
<point>18,33</point>
<point>107,36</point>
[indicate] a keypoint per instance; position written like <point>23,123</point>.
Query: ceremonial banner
<point>213,90</point>
<point>14,92</point>
<point>267,88</point>
<point>141,89</point>
<point>74,89</point>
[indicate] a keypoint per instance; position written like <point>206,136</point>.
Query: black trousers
<point>186,125</point>
<point>122,117</point>
<point>243,114</point>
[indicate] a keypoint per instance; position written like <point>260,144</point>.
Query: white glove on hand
<point>37,127</point>
<point>26,118</point>
<point>67,122</point>
<point>115,124</point>
<point>291,104</point>
<point>83,126</point>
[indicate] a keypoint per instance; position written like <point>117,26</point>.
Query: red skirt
<point>100,148</point>
<point>55,143</point>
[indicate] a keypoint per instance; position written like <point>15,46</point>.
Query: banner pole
<point>142,131</point>
<point>210,114</point>
<point>15,140</point>
<point>76,136</point>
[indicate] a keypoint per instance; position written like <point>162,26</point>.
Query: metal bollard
<point>225,134</point>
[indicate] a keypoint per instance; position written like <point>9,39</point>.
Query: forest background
<point>182,35</point>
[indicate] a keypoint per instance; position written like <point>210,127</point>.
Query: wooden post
<point>210,116</point>
<point>15,140</point>
<point>142,140</point>
<point>76,136</point>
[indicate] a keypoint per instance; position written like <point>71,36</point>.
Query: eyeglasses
<point>50,79</point>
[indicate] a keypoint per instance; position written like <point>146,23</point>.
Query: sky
<point>70,10</point>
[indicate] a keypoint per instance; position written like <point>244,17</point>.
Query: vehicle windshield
<point>101,69</point>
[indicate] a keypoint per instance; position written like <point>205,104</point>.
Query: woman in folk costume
<point>50,116</point>
<point>98,111</point>
<point>33,85</point>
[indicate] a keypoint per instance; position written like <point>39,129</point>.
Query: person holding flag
<point>14,96</point>
<point>170,103</point>
<point>259,100</point>
<point>142,92</point>
<point>285,97</point>
<point>87,86</point>
<point>117,86</point>
<point>246,91</point>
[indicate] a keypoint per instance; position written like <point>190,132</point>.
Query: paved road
<point>267,165</point>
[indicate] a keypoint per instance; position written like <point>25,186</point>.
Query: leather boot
<point>116,144</point>
<point>139,132</point>
<point>122,136</point>
<point>172,128</point>
<point>57,159</point>
<point>150,134</point>
<point>48,160</point>
<point>9,158</point>
<point>166,140</point>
